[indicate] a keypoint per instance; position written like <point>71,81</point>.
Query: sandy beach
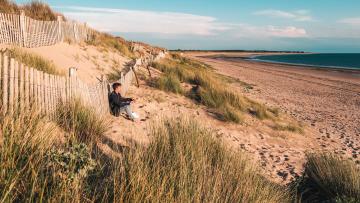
<point>326,100</point>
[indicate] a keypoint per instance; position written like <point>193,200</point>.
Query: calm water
<point>348,61</point>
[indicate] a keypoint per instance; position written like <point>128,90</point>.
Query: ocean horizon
<point>322,60</point>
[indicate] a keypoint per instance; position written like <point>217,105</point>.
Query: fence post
<point>60,35</point>
<point>72,80</point>
<point>11,85</point>
<point>16,86</point>
<point>75,32</point>
<point>23,28</point>
<point>5,77</point>
<point>27,85</point>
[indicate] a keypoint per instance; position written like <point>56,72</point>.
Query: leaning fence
<point>24,31</point>
<point>24,87</point>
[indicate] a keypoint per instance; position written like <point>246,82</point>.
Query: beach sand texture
<point>326,100</point>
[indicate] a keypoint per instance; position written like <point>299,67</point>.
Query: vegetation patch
<point>34,61</point>
<point>169,83</point>
<point>114,43</point>
<point>292,127</point>
<point>83,122</point>
<point>328,178</point>
<point>208,89</point>
<point>35,9</point>
<point>185,163</point>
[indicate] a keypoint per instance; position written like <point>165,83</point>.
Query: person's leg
<point>129,112</point>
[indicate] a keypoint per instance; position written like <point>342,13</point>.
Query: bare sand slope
<point>328,101</point>
<point>90,61</point>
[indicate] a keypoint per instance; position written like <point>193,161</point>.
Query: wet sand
<point>326,100</point>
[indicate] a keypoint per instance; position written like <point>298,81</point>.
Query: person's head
<point>116,87</point>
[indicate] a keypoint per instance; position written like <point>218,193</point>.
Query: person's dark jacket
<point>117,101</point>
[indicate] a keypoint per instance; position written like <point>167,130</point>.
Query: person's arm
<point>117,100</point>
<point>124,99</point>
<point>129,99</point>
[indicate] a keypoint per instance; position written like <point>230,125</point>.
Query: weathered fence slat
<point>5,80</point>
<point>27,88</point>
<point>11,85</point>
<point>23,31</point>
<point>23,87</point>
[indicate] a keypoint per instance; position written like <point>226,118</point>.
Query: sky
<point>297,25</point>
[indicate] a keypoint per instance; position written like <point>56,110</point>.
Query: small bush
<point>71,163</point>
<point>83,122</point>
<point>184,163</point>
<point>328,178</point>
<point>34,61</point>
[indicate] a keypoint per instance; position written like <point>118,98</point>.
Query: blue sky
<point>309,25</point>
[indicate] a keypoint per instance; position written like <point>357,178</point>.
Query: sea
<point>340,61</point>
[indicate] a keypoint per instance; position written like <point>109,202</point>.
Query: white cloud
<point>122,20</point>
<point>289,31</point>
<point>299,15</point>
<point>170,23</point>
<point>350,21</point>
<point>245,30</point>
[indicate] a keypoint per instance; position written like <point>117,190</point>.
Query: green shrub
<point>328,178</point>
<point>34,61</point>
<point>184,163</point>
<point>73,162</point>
<point>85,124</point>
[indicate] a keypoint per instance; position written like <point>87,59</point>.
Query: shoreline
<point>307,66</point>
<point>325,100</point>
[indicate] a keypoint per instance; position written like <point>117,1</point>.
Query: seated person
<point>119,104</point>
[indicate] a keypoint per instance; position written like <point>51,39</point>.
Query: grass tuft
<point>169,83</point>
<point>86,125</point>
<point>37,10</point>
<point>34,61</point>
<point>328,178</point>
<point>185,163</point>
<point>114,43</point>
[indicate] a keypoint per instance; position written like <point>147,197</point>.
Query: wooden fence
<point>145,61</point>
<point>24,87</point>
<point>23,31</point>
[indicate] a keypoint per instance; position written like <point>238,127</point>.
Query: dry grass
<point>169,83</point>
<point>292,127</point>
<point>36,9</point>
<point>208,89</point>
<point>83,122</point>
<point>184,163</point>
<point>328,178</point>
<point>108,41</point>
<point>34,61</point>
<point>26,139</point>
<point>35,166</point>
